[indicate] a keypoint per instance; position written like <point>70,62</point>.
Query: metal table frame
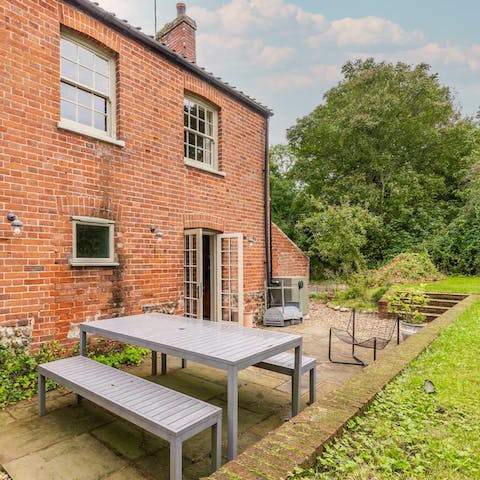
<point>224,345</point>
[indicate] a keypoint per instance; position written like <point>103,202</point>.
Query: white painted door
<point>230,277</point>
<point>192,273</point>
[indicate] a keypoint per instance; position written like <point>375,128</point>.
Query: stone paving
<point>87,443</point>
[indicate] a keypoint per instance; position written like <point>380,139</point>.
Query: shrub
<point>407,268</point>
<point>18,371</point>
<point>378,293</point>
<point>405,303</point>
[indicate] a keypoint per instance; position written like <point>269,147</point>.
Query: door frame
<point>214,285</point>
<point>240,300</point>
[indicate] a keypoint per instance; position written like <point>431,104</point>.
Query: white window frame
<point>214,166</point>
<point>93,262</point>
<point>73,126</point>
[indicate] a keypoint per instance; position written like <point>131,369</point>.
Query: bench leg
<point>164,363</point>
<point>217,444</point>
<point>313,381</point>
<point>176,460</point>
<point>154,363</point>
<point>41,395</point>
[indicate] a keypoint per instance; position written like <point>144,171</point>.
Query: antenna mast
<point>155,15</point>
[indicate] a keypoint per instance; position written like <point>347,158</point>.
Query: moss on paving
<point>409,434</point>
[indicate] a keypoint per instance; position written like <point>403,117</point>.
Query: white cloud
<point>365,31</point>
<point>243,16</point>
<point>328,73</point>
<point>287,81</point>
<point>271,56</point>
<point>435,54</point>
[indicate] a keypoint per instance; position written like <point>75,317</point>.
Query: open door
<point>192,273</point>
<point>230,277</point>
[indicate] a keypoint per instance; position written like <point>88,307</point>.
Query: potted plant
<point>405,304</point>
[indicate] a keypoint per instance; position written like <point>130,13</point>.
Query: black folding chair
<point>367,331</point>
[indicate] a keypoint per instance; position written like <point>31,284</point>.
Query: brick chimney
<point>179,35</point>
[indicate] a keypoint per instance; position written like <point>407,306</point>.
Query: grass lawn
<point>455,285</point>
<point>409,434</point>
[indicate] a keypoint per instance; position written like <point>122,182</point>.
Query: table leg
<point>154,362</point>
<point>296,381</point>
<point>83,343</point>
<point>232,411</point>
<point>164,363</point>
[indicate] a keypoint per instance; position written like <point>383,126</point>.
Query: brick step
<point>442,303</point>
<point>431,309</point>
<point>446,296</point>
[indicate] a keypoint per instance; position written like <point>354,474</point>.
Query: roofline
<point>124,27</point>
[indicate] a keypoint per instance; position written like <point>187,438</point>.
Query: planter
<point>409,329</point>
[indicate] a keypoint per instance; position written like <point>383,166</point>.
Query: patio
<point>87,443</point>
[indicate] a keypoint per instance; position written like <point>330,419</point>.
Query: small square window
<point>93,242</point>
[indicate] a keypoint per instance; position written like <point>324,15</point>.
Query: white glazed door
<point>230,277</point>
<point>192,274</point>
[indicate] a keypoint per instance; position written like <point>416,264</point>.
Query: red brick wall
<point>288,260</point>
<point>48,174</point>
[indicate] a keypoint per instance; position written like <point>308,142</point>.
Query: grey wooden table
<point>224,345</point>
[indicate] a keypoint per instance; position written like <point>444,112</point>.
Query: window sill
<point>73,263</point>
<point>82,130</point>
<point>203,167</point>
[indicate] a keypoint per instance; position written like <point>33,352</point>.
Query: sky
<point>288,53</point>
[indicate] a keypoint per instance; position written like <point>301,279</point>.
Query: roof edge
<point>124,27</point>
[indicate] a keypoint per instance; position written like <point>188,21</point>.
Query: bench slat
<point>107,386</point>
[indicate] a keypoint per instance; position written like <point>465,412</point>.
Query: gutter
<point>267,210</point>
<point>124,27</point>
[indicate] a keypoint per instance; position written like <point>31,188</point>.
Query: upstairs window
<point>200,134</point>
<point>87,87</point>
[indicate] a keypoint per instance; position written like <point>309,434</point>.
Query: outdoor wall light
<point>15,223</point>
<point>158,235</point>
<point>250,240</point>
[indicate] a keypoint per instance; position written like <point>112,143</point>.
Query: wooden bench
<point>171,415</point>
<point>285,363</point>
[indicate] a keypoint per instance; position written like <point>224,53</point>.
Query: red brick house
<point>139,178</point>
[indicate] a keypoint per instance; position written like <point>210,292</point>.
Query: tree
<point>389,140</point>
<point>337,235</point>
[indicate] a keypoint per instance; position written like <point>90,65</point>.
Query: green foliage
<point>116,354</point>
<point>336,237</point>
<point>405,303</point>
<point>377,293</point>
<point>407,268</point>
<point>407,433</point>
<point>18,371</point>
<point>387,140</point>
<point>456,249</point>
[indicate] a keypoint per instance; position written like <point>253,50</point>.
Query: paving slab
<point>27,436</point>
<point>191,385</point>
<point>80,458</point>
<point>127,440</point>
<point>126,473</point>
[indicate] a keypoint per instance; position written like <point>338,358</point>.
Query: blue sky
<point>288,53</point>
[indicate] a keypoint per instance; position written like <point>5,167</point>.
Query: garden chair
<point>367,331</point>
